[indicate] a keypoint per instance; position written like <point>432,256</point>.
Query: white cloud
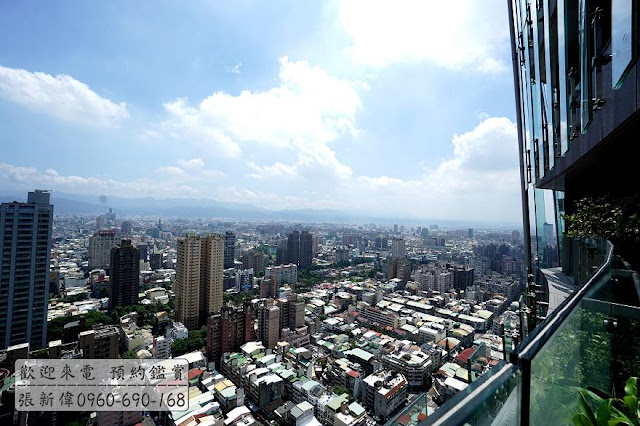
<point>29,177</point>
<point>194,163</point>
<point>60,96</point>
<point>168,181</point>
<point>190,171</point>
<point>316,164</point>
<point>172,170</point>
<point>479,181</point>
<point>307,108</point>
<point>234,69</point>
<point>455,34</point>
<point>188,124</point>
<point>266,199</point>
<point>277,169</point>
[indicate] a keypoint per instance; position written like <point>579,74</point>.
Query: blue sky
<point>395,108</point>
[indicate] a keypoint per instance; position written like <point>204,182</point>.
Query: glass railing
<point>413,414</point>
<point>592,340</point>
<point>575,354</point>
<point>582,257</point>
<point>491,400</point>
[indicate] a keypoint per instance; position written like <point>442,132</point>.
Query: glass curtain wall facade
<point>576,85</point>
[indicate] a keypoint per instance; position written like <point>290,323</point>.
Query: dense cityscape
<point>315,323</point>
<point>319,213</point>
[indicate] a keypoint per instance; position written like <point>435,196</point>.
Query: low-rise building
<point>385,392</point>
<point>161,347</point>
<point>415,365</point>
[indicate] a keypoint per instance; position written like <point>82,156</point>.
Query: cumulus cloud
<point>187,123</point>
<point>479,181</point>
<point>308,107</point>
<point>60,96</point>
<point>316,164</point>
<point>455,34</point>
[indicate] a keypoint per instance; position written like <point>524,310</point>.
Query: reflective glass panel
<point>562,78</point>
<point>621,40</point>
<point>585,65</point>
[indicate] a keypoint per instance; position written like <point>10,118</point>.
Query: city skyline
<point>340,106</point>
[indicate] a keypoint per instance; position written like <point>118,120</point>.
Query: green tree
<point>196,341</point>
<point>339,390</point>
<point>55,329</point>
<point>616,219</point>
<point>129,355</point>
<point>94,318</point>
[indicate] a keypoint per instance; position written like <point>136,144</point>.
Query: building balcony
<point>591,339</point>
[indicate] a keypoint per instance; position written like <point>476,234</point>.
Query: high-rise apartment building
<point>283,273</point>
<point>126,227</point>
<point>199,278</point>
<point>101,222</point>
<point>291,312</point>
<point>144,251</point>
<point>306,250</point>
<point>229,249</point>
<point>342,254</point>
<point>268,323</point>
<point>444,281</point>
<point>281,252</point>
<point>549,234</point>
<point>398,248</point>
<point>269,287</point>
<point>399,268</point>
<point>211,272</point>
<point>156,259</point>
<point>253,259</point>
<point>124,275</point>
<point>100,245</point>
<point>25,252</point>
<point>300,249</point>
<point>293,247</point>
<point>229,329</point>
<point>462,276</point>
<point>381,243</point>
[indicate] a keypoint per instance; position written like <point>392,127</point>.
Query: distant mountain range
<point>65,203</point>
